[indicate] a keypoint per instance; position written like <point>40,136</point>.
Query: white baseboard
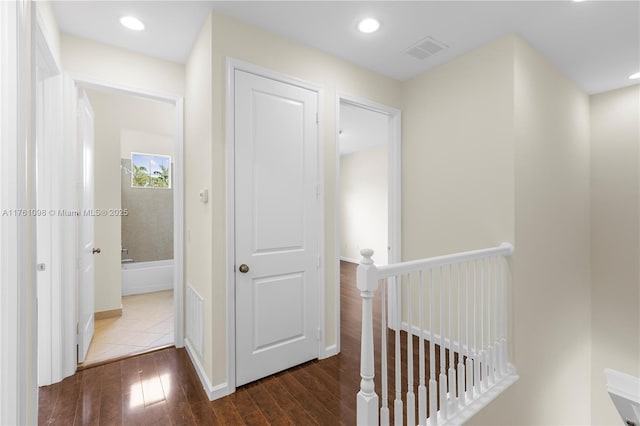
<point>329,351</point>
<point>143,289</point>
<point>489,395</point>
<point>219,391</point>
<point>213,392</point>
<point>350,260</point>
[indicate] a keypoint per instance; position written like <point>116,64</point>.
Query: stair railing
<point>455,309</point>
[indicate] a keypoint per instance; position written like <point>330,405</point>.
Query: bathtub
<point>147,277</point>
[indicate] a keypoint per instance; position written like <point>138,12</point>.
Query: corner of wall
<point>51,30</point>
<point>615,242</point>
<point>552,262</point>
<point>198,141</point>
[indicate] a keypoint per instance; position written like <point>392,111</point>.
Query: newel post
<point>367,282</point>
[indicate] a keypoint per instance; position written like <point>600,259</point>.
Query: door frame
<point>231,66</point>
<point>394,197</point>
<point>18,363</point>
<point>87,82</point>
<point>48,139</point>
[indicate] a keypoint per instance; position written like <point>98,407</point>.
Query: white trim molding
<point>394,195</point>
<point>18,360</point>
<point>77,80</point>
<point>10,187</point>
<point>212,391</point>
<point>49,248</point>
<point>178,224</point>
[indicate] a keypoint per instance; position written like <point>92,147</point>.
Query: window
<point>150,171</point>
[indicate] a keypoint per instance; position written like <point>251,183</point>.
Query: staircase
<point>454,309</point>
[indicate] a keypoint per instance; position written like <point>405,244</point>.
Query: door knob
<point>96,250</point>
<point>243,268</point>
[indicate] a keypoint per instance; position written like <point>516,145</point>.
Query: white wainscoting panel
<point>195,320</point>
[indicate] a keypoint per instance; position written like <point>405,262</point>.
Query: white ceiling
<point>171,27</point>
<point>596,43</point>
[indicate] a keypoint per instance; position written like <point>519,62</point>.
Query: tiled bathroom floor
<point>146,323</point>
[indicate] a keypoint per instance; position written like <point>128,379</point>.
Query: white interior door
<point>277,223</point>
<point>86,276</point>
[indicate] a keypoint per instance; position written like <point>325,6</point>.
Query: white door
<point>277,226</point>
<point>87,251</point>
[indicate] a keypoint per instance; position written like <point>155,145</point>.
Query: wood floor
<point>162,388</point>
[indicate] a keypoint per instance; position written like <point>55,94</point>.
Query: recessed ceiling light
<point>368,25</point>
<point>132,23</point>
<point>634,76</point>
<point>577,1</point>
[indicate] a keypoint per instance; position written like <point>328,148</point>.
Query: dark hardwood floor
<point>162,388</point>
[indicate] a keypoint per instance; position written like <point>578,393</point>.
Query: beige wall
<point>198,113</point>
<point>458,158</point>
<point>364,203</point>
<point>496,148</point>
<point>615,242</point>
<point>551,292</point>
<point>206,224</point>
<point>457,154</point>
<point>111,64</point>
<point>551,268</point>
<point>114,112</point>
<point>147,142</point>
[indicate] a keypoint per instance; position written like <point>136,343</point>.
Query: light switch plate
<point>204,196</point>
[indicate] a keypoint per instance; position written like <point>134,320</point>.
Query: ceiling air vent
<point>426,47</point>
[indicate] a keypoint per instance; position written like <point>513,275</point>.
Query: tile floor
<point>146,323</point>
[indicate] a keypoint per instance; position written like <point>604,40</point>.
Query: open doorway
<point>134,156</point>
<point>368,185</point>
<point>364,183</point>
<point>65,341</point>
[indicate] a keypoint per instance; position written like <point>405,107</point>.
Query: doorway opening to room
<point>134,154</point>
<point>118,175</point>
<point>368,192</point>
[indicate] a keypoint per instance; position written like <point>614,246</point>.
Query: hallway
<point>162,387</point>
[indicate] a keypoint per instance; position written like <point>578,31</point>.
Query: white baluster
<point>422,389</point>
<point>411,397</point>
<point>504,317</point>
<point>495,370</point>
<point>461,375</point>
<point>490,310</point>
<point>483,354</point>
<point>442,379</point>
<point>476,351</point>
<point>397,403</point>
<point>433,384</point>
<point>367,399</point>
<point>469,363</point>
<point>501,320</point>
<point>451,374</point>
<point>384,410</point>
<point>499,370</point>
